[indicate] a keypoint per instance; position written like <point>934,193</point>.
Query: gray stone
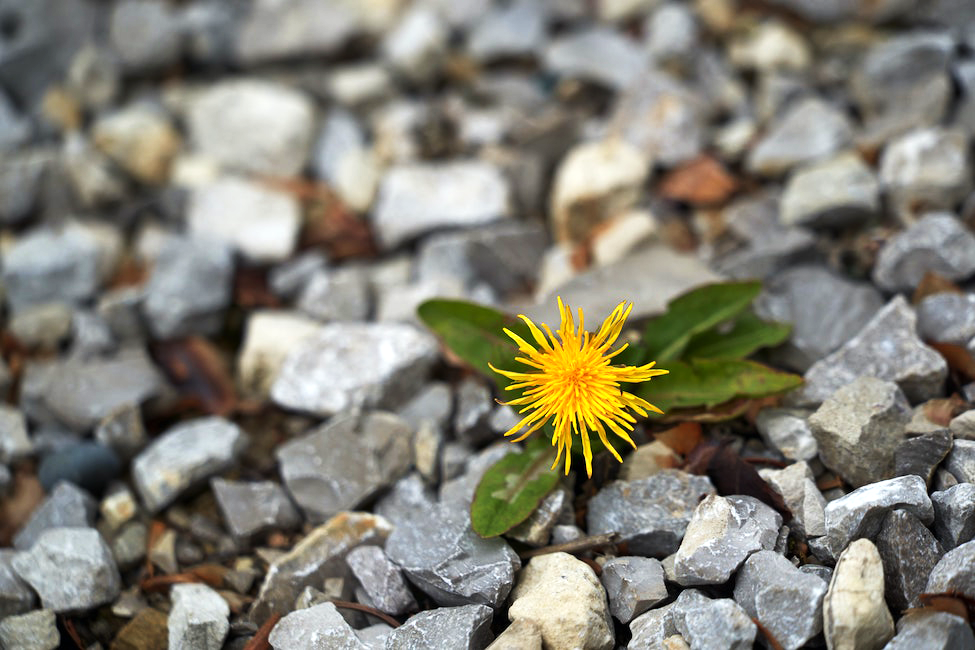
<point>963,425</point>
<point>374,636</point>
<point>859,427</point>
<point>198,619</point>
<point>320,626</point>
<point>146,34</point>
<point>416,45</point>
<point>563,533</point>
<point>516,30</point>
<point>341,135</point>
<point>123,431</point>
<point>961,461</point>
<point>854,612</point>
<point>706,623</point>
<point>260,222</point>
<point>42,326</point>
<point>185,456</point>
<point>787,432</point>
<point>927,628</point>
<point>648,631</point>
<point>189,288</point>
<point>417,198</point>
<point>51,265</point>
<point>581,619</point>
<point>37,630</point>
<point>444,557</point>
<point>908,551</point>
<point>809,129</point>
<point>341,294</point>
<point>15,596</point>
<point>787,602</point>
<point>129,544</point>
<point>253,125</point>
<point>82,393</point>
<point>121,309</point>
<point>96,181</point>
<point>838,192</point>
<point>937,243</point>
<point>861,513</point>
<point>797,485</point>
<point>381,580</point>
<point>926,169</point>
<point>467,628</point>
<point>319,555</point>
<point>14,443</point>
<point>947,317</point>
<point>955,572</point>
<point>433,403</point>
<point>634,584</point>
<point>91,335</point>
<point>650,514</point>
<point>141,139</point>
<point>408,498</point>
<point>921,455</point>
<point>536,530</point>
<point>94,77</point>
<point>287,279</point>
<point>20,180</point>
<point>954,515</point>
<point>66,506</point>
<point>250,508</point>
<point>597,54</point>
<point>349,365</point>
<point>345,462</point>
<point>886,348</point>
<point>671,33</point>
<point>474,405</point>
<point>71,569</point>
<point>15,129</point>
<point>721,535</point>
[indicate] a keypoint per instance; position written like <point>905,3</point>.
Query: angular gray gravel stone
<point>598,54</point>
<point>926,169</point>
<point>921,454</point>
<point>927,628</point>
<point>809,129</point>
<point>198,619</point>
<point>415,199</point>
<point>887,348</point>
<point>859,427</point>
<point>947,318</point>
<point>37,630</point>
<point>961,461</point>
<point>14,443</point>
<point>349,365</point>
<point>508,31</point>
<point>67,506</point>
<point>650,514</point>
<point>797,486</point>
<point>444,557</point>
<point>955,572</point>
<point>861,513</point>
<point>340,294</point>
<point>184,456</point>
<point>786,601</point>
<point>434,403</point>
<point>908,551</point>
<point>466,628</point>
<point>48,265</point>
<point>321,626</point>
<point>15,596</point>
<point>250,508</point>
<point>554,508</point>
<point>954,515</point>
<point>473,408</point>
<point>838,192</point>
<point>189,288</point>
<point>345,462</point>
<point>381,580</point>
<point>721,535</point>
<point>71,569</point>
<point>634,584</point>
<point>706,623</point>
<point>937,243</point>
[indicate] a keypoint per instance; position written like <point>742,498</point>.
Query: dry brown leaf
<point>703,181</point>
<point>683,438</point>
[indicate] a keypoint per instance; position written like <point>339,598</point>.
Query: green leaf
<point>694,312</point>
<point>747,334</point>
<point>474,333</point>
<point>708,382</point>
<point>512,488</point>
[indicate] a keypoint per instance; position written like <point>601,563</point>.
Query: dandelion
<point>575,384</point>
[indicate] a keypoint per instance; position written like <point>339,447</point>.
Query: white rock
<point>594,181</point>
<point>598,54</point>
<point>622,235</point>
<point>357,83</point>
<point>198,619</point>
<point>771,46</point>
<point>314,628</point>
<point>253,125</point>
<point>415,199</point>
<point>269,337</point>
<point>260,222</point>
<point>139,138</point>
<point>563,597</point>
<point>855,616</point>
<point>417,44</point>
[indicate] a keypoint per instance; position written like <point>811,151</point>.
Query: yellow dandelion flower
<point>576,385</point>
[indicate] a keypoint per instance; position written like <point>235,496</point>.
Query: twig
<point>761,460</point>
<point>386,618</point>
<point>575,546</point>
<point>260,640</point>
<point>73,633</point>
<point>769,637</point>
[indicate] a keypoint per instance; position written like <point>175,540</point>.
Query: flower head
<point>575,385</point>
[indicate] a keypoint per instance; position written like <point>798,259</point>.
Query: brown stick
<point>386,618</point>
<point>260,640</point>
<point>575,546</point>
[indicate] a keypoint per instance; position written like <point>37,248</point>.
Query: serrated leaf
<point>475,334</point>
<point>512,488</point>
<point>747,334</point>
<point>694,312</point>
<point>709,382</point>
